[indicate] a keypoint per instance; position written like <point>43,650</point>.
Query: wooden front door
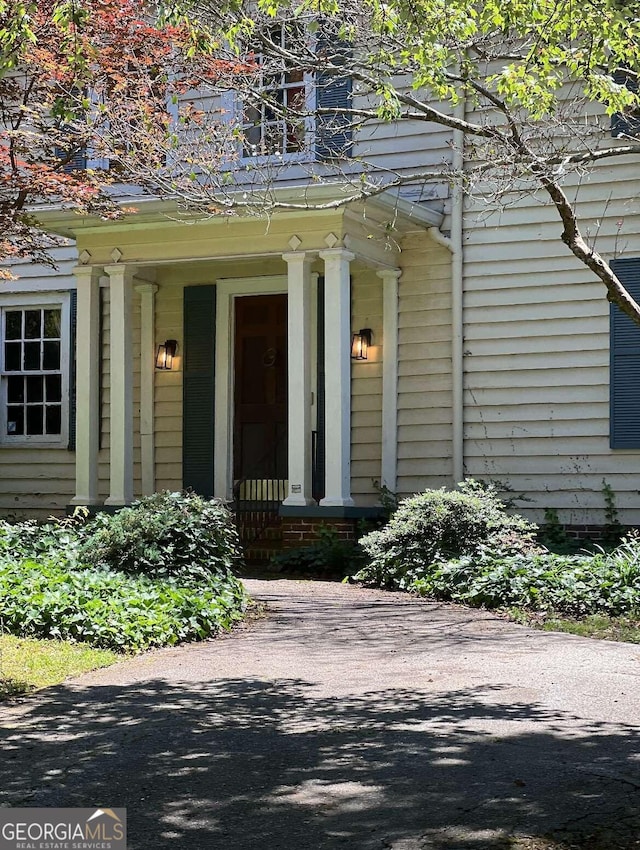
<point>260,388</point>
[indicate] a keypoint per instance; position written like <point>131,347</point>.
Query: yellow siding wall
<point>168,390</point>
<point>366,389</point>
<point>424,383</point>
<point>537,352</point>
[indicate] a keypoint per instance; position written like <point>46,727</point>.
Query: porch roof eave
<point>326,198</point>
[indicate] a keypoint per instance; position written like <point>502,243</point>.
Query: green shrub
<point>438,525</point>
<point>114,610</point>
<point>162,535</point>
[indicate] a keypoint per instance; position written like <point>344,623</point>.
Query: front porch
<point>139,429</point>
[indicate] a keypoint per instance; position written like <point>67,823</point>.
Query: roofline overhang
<point>327,199</point>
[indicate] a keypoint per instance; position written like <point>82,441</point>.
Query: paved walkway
<point>347,718</point>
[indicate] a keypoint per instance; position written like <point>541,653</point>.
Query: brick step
<point>258,554</point>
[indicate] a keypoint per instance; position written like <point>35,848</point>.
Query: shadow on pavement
<point>255,764</point>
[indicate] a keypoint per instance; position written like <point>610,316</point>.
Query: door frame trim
<point>228,290</point>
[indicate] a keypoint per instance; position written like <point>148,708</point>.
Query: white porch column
<point>337,311</point>
<point>121,395</point>
<point>299,387</point>
<point>147,379</point>
<point>390,278</point>
<point>87,356</point>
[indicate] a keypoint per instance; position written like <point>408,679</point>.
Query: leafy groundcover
<point>464,546</point>
<point>56,582</point>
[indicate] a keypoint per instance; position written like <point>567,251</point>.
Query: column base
<point>332,502</point>
<point>299,501</point>
<point>117,502</point>
<point>84,501</point>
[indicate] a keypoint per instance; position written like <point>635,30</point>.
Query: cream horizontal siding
<point>537,351</point>
<point>388,145</point>
<point>168,390</point>
<point>37,481</point>
<point>424,366</point>
<point>366,389</point>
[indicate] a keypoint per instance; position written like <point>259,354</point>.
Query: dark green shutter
<point>627,124</point>
<point>73,319</point>
<point>198,388</point>
<point>333,91</point>
<point>624,349</point>
<point>75,160</point>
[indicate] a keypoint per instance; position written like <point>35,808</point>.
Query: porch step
<point>260,550</point>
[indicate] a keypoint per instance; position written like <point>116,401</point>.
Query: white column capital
<point>145,286</point>
<point>120,271</point>
<point>390,275</point>
<point>87,272</point>
<point>298,257</point>
<point>337,254</point>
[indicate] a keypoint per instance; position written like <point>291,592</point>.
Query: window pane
<point>52,324</point>
<point>13,325</point>
<point>34,420</point>
<point>53,384</point>
<point>32,324</point>
<point>15,420</point>
<point>273,138</point>
<point>252,141</point>
<point>51,359</point>
<point>35,389</point>
<point>295,75</point>
<point>15,389</point>
<point>32,355</point>
<point>12,356</point>
<point>295,99</point>
<point>252,115</point>
<point>53,418</point>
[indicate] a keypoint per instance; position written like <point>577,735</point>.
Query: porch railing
<point>257,498</point>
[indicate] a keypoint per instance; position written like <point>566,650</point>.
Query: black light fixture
<point>360,343</point>
<point>166,353</point>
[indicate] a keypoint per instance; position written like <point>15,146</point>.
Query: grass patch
<point>625,629</point>
<point>27,664</point>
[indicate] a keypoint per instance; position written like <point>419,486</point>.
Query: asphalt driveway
<point>347,718</point>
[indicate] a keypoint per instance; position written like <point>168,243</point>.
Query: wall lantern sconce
<point>360,343</point>
<point>166,353</point>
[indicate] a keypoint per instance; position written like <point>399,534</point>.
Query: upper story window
<point>34,373</point>
<point>285,110</point>
<point>276,119</point>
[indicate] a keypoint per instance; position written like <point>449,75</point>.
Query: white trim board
<point>227,290</point>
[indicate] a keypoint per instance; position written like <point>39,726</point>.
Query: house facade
<point>491,352</point>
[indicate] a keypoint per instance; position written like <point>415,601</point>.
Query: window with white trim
<point>277,121</point>
<point>34,364</point>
